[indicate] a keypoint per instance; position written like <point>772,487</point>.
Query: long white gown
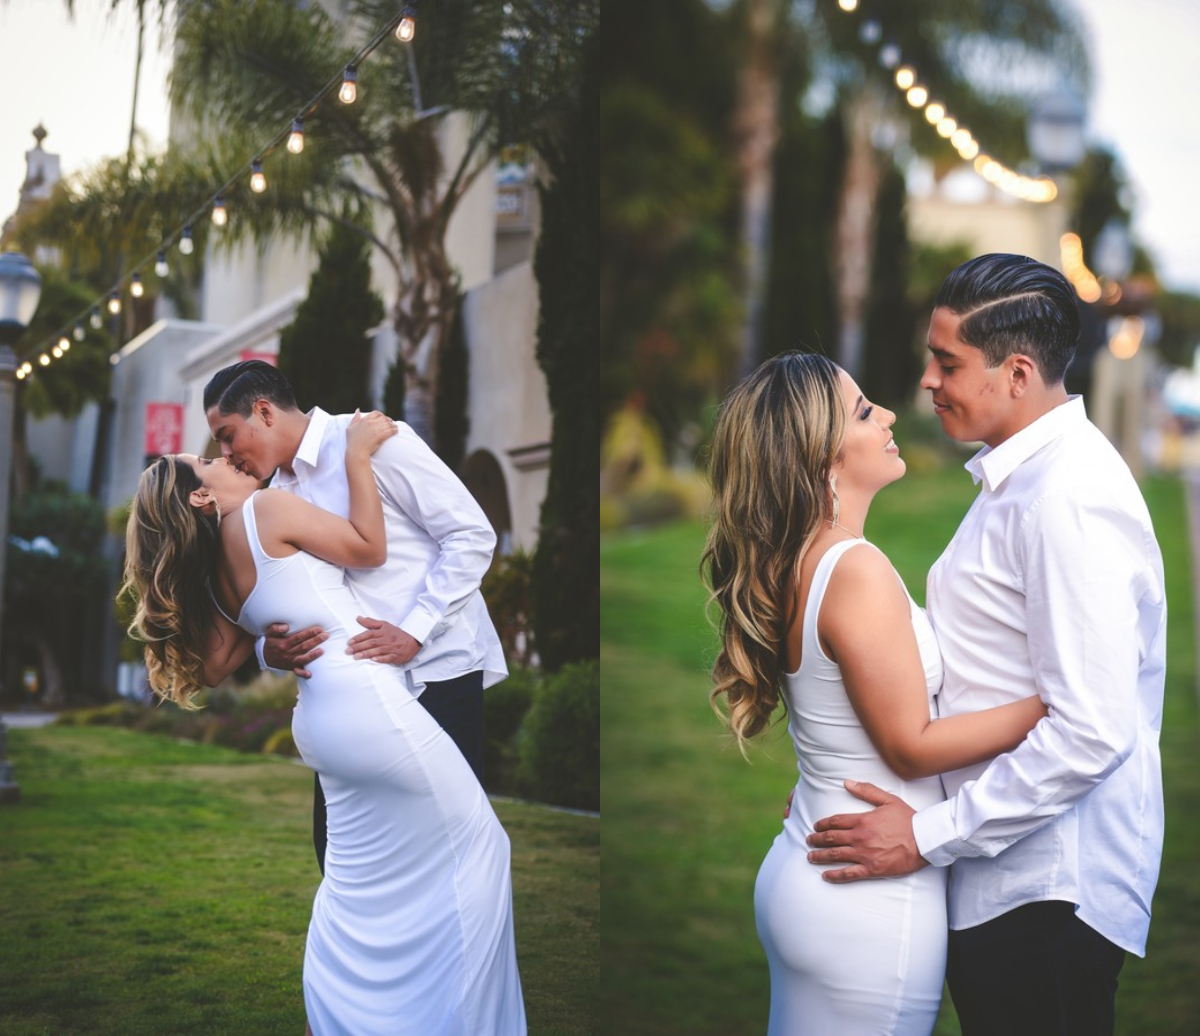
<point>411,931</point>
<point>868,958</point>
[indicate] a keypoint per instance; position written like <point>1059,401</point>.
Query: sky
<point>76,78</point>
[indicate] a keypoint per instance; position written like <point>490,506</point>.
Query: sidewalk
<point>18,720</point>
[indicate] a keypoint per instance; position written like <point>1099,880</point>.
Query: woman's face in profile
<point>869,457</point>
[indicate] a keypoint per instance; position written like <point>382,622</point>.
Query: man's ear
<point>266,410</point>
<point>1023,374</point>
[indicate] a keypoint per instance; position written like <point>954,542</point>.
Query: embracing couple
<point>359,569</point>
<point>1006,737</point>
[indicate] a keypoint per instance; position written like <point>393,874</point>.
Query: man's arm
<point>1085,569</point>
<point>412,476</point>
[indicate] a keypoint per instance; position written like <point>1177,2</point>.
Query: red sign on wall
<point>271,358</point>
<point>164,428</point>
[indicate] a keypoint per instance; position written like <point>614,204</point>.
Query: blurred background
<point>802,174</point>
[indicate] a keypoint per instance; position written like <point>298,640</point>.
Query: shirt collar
<point>309,450</point>
<point>993,465</point>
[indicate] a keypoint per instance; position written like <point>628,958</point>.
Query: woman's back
<point>853,959</point>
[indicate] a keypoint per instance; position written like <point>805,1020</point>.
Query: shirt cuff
<point>262,662</point>
<point>935,834</point>
<point>418,624</point>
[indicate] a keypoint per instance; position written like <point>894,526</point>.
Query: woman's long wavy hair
<point>774,443</point>
<point>171,552</point>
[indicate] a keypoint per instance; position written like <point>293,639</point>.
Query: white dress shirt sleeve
<point>1084,567</point>
<point>433,497</point>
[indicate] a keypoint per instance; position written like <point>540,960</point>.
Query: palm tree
<point>245,67</point>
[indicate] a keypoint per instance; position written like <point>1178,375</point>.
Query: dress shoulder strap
<point>256,547</point>
<point>816,593</point>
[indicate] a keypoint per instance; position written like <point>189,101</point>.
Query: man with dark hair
<point>1052,585</point>
<point>427,614</point>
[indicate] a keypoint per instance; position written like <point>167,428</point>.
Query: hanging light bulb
<point>135,286</point>
<point>407,28</point>
<point>848,5</point>
<point>161,269</point>
<point>946,127</point>
<point>21,373</point>
<point>64,344</point>
<point>186,245</point>
<point>219,216</point>
<point>258,182</point>
<point>114,303</point>
<point>27,367</point>
<point>349,91</point>
<point>295,142</point>
<point>905,77</point>
<point>57,351</point>
<point>917,96</point>
<point>44,360</point>
<point>96,320</point>
<point>935,113</point>
<point>79,331</point>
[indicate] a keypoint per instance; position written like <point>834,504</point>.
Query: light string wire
<point>49,348</point>
<point>1031,189</point>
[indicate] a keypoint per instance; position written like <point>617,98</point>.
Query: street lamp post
<point>20,290</point>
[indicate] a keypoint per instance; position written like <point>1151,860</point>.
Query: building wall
<point>994,224</point>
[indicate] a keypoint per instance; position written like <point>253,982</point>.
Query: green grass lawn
<point>153,886</point>
<point>688,821</point>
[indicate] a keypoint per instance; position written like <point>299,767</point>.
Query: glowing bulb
<point>20,373</point>
<point>407,28</point>
<point>848,5</point>
<point>969,150</point>
<point>889,55</point>
<point>917,96</point>
<point>219,216</point>
<point>27,367</point>
<point>258,182</point>
<point>946,127</point>
<point>186,245</point>
<point>934,113</point>
<point>295,142</point>
<point>79,331</point>
<point>135,286</point>
<point>960,138</point>
<point>114,303</point>
<point>161,269</point>
<point>57,351</point>
<point>349,91</point>
<point>870,31</point>
<point>96,320</point>
<point>64,344</point>
<point>44,360</point>
<point>905,77</point>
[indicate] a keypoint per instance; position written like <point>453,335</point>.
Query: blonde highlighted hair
<point>171,552</point>
<point>775,441</point>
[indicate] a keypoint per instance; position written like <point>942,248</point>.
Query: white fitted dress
<point>411,931</point>
<point>867,958</point>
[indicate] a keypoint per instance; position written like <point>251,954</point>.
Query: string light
<point>404,27</point>
<point>349,90</point>
<point>407,27</point>
<point>295,142</point>
<point>934,113</point>
<point>848,5</point>
<point>905,77</point>
<point>917,96</point>
<point>20,374</point>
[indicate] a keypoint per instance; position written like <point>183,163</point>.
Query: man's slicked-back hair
<point>1013,304</point>
<point>233,390</point>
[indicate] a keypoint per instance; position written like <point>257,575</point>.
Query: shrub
<point>505,707</point>
<point>507,588</point>
<point>560,745</point>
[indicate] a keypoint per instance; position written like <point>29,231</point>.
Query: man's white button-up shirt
<point>1053,585</point>
<point>439,545</point>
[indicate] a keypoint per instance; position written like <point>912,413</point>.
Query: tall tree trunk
<point>854,234</point>
<point>756,128</point>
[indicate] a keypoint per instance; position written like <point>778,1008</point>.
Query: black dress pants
<point>457,705</point>
<point>1035,971</point>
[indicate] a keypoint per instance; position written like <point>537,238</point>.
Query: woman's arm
<point>357,542</point>
<point>866,627</point>
<point>227,647</point>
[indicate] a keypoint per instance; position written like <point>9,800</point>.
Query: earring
<point>217,507</point>
<point>836,505</point>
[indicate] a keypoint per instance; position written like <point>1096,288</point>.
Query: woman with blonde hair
<point>411,930</point>
<point>814,617</point>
